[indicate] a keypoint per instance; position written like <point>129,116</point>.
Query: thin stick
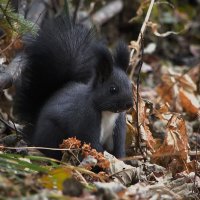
<point>46,148</point>
<point>10,126</point>
<point>132,158</point>
<point>144,25</point>
<point>135,56</point>
<point>138,97</point>
<point>141,34</point>
<point>7,47</point>
<point>81,177</point>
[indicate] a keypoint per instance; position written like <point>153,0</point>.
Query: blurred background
<point>115,20</point>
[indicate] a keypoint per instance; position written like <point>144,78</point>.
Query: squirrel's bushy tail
<point>60,53</point>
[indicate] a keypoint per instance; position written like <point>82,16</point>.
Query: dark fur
<point>61,52</point>
<point>68,82</point>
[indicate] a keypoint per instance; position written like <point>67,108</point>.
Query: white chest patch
<point>108,120</point>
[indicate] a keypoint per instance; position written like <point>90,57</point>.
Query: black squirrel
<point>71,85</point>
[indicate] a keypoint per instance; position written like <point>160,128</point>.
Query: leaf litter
<point>164,165</point>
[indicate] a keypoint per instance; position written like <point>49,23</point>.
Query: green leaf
<point>13,161</point>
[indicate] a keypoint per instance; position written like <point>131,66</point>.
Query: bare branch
<point>135,46</point>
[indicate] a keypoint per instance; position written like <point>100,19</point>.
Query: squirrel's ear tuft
<point>122,56</point>
<point>104,65</point>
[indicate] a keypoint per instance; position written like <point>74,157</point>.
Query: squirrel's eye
<point>113,89</point>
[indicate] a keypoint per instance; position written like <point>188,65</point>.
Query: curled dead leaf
<point>175,143</point>
<point>189,102</point>
<point>155,27</point>
<point>179,92</point>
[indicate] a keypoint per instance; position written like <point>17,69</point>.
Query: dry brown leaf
<point>194,73</point>
<point>165,92</point>
<point>86,148</point>
<point>175,143</point>
<point>131,133</point>
<point>120,171</point>
<point>146,135</point>
<point>140,10</point>
<point>186,82</point>
<point>189,102</point>
<point>179,91</point>
<point>102,162</point>
<point>143,121</point>
<point>193,166</point>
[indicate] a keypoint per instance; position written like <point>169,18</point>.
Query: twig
<point>117,174</point>
<point>134,55</point>
<point>165,190</point>
<point>81,177</point>
<point>80,169</point>
<point>132,158</point>
<point>6,48</point>
<point>137,48</point>
<point>10,126</point>
<point>72,153</point>
<point>44,148</point>
<point>144,25</point>
<point>138,139</point>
